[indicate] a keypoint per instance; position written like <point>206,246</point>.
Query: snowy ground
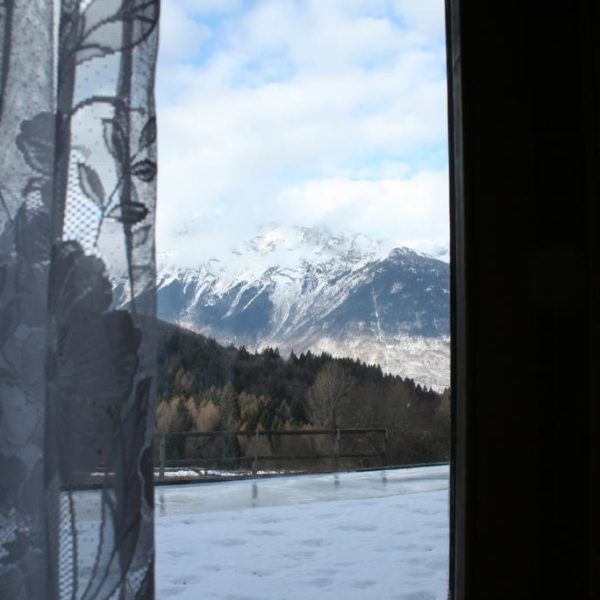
<point>374,535</point>
<point>171,473</point>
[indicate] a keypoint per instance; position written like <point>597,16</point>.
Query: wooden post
<point>161,456</point>
<point>336,449</point>
<point>255,462</point>
<point>385,448</point>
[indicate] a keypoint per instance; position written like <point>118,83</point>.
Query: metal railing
<point>254,457</point>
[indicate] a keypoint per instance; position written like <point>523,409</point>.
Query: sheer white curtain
<point>77,205</point>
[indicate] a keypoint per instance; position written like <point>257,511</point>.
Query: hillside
<point>203,386</point>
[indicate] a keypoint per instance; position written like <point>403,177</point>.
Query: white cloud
<point>313,111</point>
<point>417,199</point>
<point>209,7</point>
<point>427,16</point>
<point>180,35</point>
<point>410,210</point>
<point>413,209</point>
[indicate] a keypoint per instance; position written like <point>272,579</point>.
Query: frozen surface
<point>299,489</point>
<point>380,535</point>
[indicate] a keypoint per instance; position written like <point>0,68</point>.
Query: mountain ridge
<point>300,289</point>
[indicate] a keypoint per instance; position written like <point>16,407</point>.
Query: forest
<point>206,387</point>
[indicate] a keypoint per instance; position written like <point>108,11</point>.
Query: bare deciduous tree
<point>331,387</point>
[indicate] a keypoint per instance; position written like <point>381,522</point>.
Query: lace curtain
<point>77,203</point>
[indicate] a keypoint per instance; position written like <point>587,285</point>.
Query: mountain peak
<point>313,241</point>
<point>284,247</point>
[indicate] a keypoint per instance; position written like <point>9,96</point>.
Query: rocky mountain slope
<point>301,288</point>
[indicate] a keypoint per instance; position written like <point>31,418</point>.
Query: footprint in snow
<point>418,595</point>
<point>363,585</point>
<point>268,532</point>
<point>227,542</point>
<point>320,582</point>
<point>357,527</point>
<point>315,542</point>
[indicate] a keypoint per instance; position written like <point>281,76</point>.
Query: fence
<point>257,447</point>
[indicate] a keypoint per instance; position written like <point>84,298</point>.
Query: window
<point>303,215</point>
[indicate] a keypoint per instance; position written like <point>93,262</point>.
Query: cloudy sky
<point>302,112</point>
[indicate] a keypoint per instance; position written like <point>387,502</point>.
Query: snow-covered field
<point>370,535</point>
<point>174,473</point>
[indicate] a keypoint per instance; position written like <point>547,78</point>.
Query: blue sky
<point>303,112</point>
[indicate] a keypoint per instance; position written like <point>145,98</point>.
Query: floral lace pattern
<point>77,205</point>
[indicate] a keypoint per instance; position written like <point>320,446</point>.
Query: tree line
<point>204,386</point>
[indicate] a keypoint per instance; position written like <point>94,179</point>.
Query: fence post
<point>385,447</point>
<point>161,456</point>
<point>336,449</point>
<point>255,462</point>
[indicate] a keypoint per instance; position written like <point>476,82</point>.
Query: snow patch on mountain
<point>277,251</point>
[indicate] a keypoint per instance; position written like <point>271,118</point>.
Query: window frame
<point>524,112</point>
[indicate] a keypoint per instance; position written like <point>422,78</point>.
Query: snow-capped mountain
<point>308,289</point>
